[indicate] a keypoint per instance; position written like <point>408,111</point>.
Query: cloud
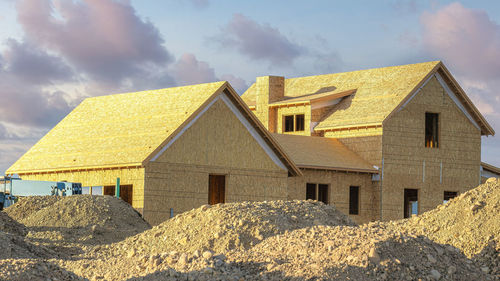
<point>35,65</point>
<point>31,105</point>
<point>468,41</point>
<point>3,132</point>
<point>189,70</point>
<point>465,38</point>
<point>105,39</point>
<point>258,41</point>
<point>10,151</point>
<point>239,84</point>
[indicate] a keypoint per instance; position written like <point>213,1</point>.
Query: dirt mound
<point>470,222</point>
<point>33,270</point>
<point>26,206</point>
<point>81,218</point>
<point>230,226</point>
<point>7,224</point>
<point>15,247</point>
<point>368,252</point>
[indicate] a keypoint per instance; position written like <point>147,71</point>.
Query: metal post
<point>117,188</point>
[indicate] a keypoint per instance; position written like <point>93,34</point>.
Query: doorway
<point>126,192</point>
<point>410,202</point>
<point>216,189</point>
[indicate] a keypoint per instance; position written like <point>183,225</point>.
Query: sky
<point>54,54</point>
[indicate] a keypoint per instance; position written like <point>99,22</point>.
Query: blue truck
<point>12,188</point>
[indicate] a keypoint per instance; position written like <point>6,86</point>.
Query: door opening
<point>109,190</point>
<point>216,189</point>
<point>411,202</point>
<point>126,192</point>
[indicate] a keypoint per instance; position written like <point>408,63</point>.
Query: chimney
<point>269,89</point>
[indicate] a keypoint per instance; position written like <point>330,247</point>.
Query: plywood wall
<point>369,148</point>
<point>454,166</point>
<point>281,112</point>
<point>339,183</point>
<point>128,176</point>
<point>217,143</point>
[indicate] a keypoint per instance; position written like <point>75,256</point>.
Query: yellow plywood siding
<point>128,176</point>
<point>321,152</point>
<point>454,166</point>
<point>338,193</point>
<point>378,92</point>
<point>114,130</point>
<point>217,143</point>
<point>281,112</point>
<point>218,138</point>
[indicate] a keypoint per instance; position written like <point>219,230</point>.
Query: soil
<point>103,238</point>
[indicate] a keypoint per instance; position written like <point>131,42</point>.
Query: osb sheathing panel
<point>319,114</point>
<point>369,148</point>
<point>218,138</point>
<point>184,187</point>
<point>375,130</point>
<point>293,110</point>
<point>128,176</point>
<point>217,143</point>
<point>339,183</point>
<point>115,129</point>
<point>321,152</point>
<point>378,92</point>
<point>404,152</point>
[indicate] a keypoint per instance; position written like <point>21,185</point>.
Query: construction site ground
<point>102,238</point>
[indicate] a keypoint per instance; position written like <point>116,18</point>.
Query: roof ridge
<point>365,69</point>
<point>154,90</point>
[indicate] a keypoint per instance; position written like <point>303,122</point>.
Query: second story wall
<point>410,162</point>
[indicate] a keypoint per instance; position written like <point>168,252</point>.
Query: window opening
<point>431,130</point>
<point>353,200</point>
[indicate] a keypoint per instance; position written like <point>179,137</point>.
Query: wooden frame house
<point>380,144</point>
<point>413,124</point>
<point>173,149</point>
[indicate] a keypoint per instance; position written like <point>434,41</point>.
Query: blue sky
<point>55,53</point>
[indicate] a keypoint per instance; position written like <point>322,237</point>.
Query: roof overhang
<point>491,168</point>
<point>311,99</point>
<point>340,169</point>
<point>76,169</point>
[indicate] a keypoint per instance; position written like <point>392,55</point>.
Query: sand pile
<point>367,252</point>
<point>83,218</point>
<point>281,240</point>
<point>225,227</point>
<point>27,206</point>
<point>470,222</point>
<point>7,224</point>
<point>34,270</point>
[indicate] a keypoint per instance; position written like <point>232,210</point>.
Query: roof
<point>379,92</point>
<point>322,153</point>
<point>490,168</point>
<point>127,129</point>
<point>324,96</point>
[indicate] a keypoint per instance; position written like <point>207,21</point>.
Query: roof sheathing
<point>379,93</point>
<point>322,153</point>
<point>114,130</point>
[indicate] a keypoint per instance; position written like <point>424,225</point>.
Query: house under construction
<point>379,144</point>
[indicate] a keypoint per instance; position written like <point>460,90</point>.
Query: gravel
<point>77,219</point>
<point>231,226</point>
<point>279,240</point>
